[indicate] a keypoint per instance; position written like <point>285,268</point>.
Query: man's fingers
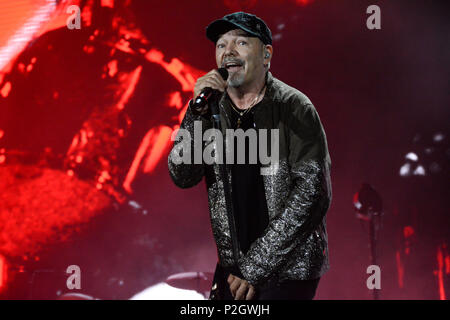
<point>209,83</point>
<point>213,83</point>
<point>219,76</point>
<point>216,77</point>
<point>230,278</point>
<point>241,291</point>
<point>212,79</point>
<point>219,84</point>
<point>234,286</point>
<point>250,293</point>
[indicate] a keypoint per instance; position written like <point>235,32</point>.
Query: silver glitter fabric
<point>298,193</point>
<point>294,246</point>
<point>186,175</point>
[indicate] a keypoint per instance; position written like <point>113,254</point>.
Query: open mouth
<point>233,66</point>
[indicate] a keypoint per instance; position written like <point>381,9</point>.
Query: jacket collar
<point>268,95</point>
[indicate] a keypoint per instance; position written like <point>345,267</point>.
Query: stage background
<point>86,117</point>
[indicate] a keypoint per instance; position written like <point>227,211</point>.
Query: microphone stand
<point>372,218</point>
<point>215,114</point>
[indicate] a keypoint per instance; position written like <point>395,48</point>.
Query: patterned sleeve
<point>186,174</point>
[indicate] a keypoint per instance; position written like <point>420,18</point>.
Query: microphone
<point>206,93</point>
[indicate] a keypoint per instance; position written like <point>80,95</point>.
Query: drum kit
<point>199,282</point>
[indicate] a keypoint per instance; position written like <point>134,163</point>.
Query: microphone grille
<point>224,73</point>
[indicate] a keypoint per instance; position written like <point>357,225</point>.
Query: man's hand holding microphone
<point>206,86</point>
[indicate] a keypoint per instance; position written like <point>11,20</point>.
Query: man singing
<point>273,244</point>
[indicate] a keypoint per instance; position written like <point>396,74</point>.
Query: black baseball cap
<point>254,26</point>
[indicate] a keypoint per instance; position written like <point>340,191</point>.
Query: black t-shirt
<point>249,201</point>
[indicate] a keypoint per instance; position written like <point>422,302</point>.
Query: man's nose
<point>230,49</point>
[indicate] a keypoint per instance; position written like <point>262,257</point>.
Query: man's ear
<point>268,52</point>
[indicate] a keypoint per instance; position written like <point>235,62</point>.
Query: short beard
<point>236,80</point>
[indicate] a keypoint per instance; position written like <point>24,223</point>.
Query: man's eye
<point>242,42</point>
<point>220,45</point>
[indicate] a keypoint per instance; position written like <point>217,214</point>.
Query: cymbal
<point>198,281</point>
<point>75,296</point>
